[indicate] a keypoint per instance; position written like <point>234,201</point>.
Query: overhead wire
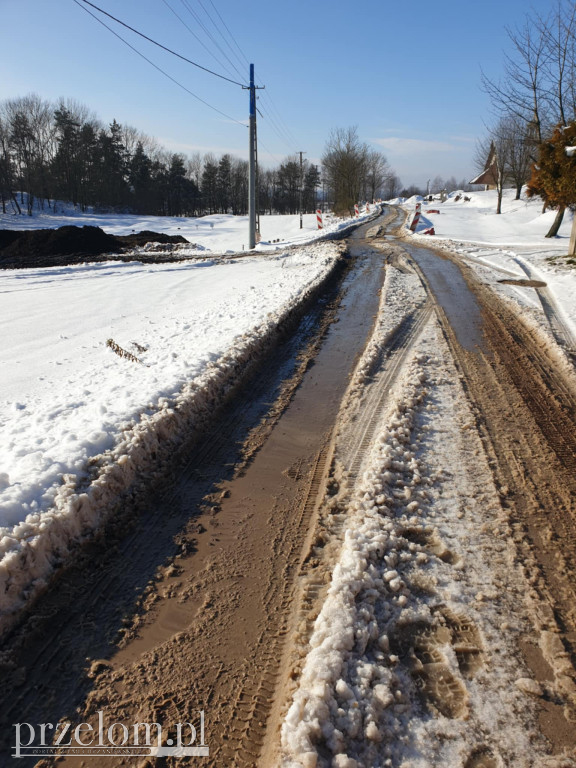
<point>273,109</point>
<point>218,29</point>
<point>195,16</point>
<point>154,42</point>
<point>215,109</point>
<point>197,38</point>
<point>230,34</point>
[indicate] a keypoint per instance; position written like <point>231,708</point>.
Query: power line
<point>225,66</point>
<point>219,31</point>
<point>285,128</point>
<point>155,65</point>
<point>150,40</point>
<point>194,15</point>
<point>230,33</point>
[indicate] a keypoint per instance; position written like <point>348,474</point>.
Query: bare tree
<point>377,172</point>
<point>345,164</point>
<point>194,168</point>
<point>492,158</point>
<point>523,91</point>
<point>391,188</point>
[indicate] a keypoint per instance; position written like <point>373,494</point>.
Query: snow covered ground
<point>219,233</point>
<point>511,245</point>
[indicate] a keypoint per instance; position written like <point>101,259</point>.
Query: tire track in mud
<point>203,587</point>
<point>525,410</point>
<point>79,613</point>
<point>395,353</point>
<point>349,447</point>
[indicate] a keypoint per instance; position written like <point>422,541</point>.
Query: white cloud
<point>401,146</point>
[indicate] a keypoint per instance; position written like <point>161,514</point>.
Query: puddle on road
<point>452,293</point>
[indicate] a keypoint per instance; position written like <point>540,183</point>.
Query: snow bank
<point>202,327</point>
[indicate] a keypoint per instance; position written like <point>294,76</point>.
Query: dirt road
<point>193,603</point>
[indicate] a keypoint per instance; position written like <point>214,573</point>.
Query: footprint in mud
<point>466,641</point>
<point>421,646</point>
<point>482,757</point>
<point>430,540</point>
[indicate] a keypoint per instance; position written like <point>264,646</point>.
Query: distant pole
<point>301,184</point>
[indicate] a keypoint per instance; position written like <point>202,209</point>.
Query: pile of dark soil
<point>141,238</point>
<point>69,245</point>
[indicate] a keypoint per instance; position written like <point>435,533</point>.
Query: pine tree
<point>140,179</point>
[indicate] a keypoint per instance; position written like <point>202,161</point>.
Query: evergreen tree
<point>224,183</point>
<point>311,182</point>
<point>140,179</point>
<point>210,187</point>
<point>554,175</point>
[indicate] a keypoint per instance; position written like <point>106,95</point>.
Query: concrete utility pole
<point>301,184</point>
<point>253,224</point>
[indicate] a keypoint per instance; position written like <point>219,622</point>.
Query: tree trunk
<point>499,206</point>
<point>15,200</point>
<point>557,221</point>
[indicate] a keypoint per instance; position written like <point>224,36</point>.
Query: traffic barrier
<point>416,218</point>
<point>356,211</point>
<point>319,218</point>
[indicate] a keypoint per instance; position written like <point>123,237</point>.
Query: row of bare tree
<point>535,95</point>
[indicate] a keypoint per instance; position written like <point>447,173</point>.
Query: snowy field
<point>219,233</point>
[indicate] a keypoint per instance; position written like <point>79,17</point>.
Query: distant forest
<point>63,151</point>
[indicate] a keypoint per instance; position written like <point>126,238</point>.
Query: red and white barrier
<point>356,211</point>
<point>416,218</point>
<point>319,218</point>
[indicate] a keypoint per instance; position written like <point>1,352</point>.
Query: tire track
<point>525,411</point>
<point>388,366</point>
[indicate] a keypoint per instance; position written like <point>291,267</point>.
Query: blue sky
<point>406,74</point>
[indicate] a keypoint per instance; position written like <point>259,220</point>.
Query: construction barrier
<point>356,211</point>
<point>319,218</point>
<point>416,218</point>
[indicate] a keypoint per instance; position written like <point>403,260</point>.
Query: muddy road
<point>188,609</point>
<point>192,602</point>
